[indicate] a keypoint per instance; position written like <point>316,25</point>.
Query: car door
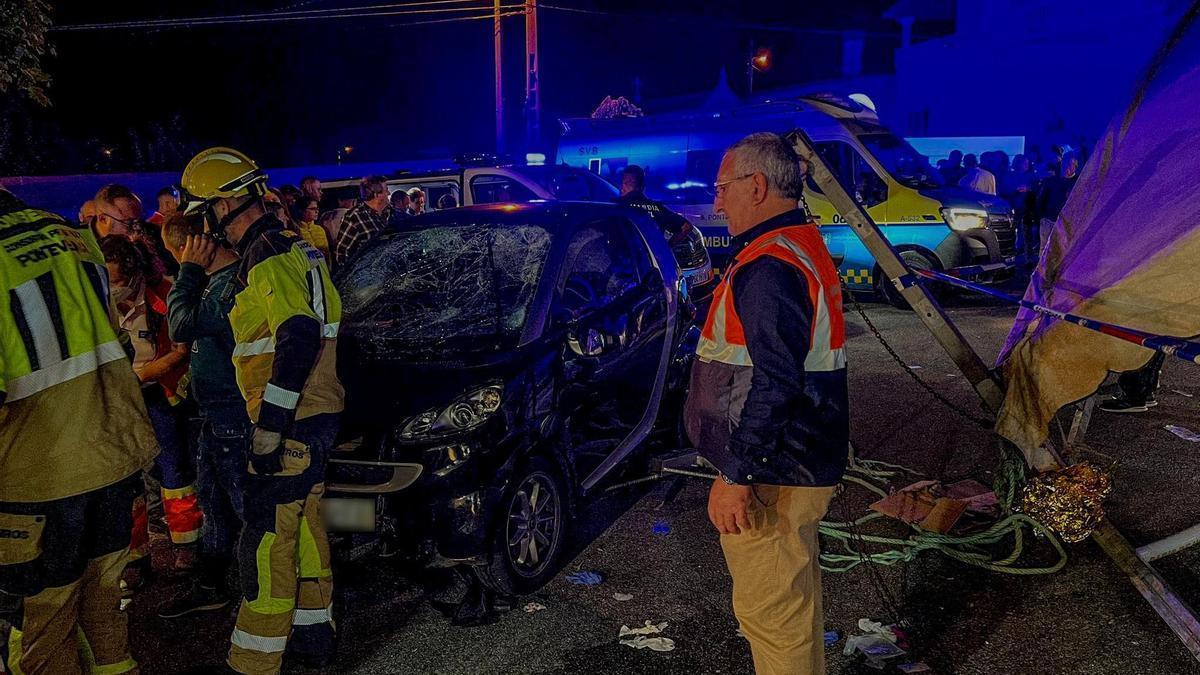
<point>599,303</point>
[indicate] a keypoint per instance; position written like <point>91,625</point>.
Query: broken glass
<point>446,287</point>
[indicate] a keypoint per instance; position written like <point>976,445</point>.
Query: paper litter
<point>534,607</point>
<point>647,637</point>
<point>622,597</point>
<point>1184,433</point>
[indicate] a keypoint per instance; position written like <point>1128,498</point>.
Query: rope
<point>969,549</point>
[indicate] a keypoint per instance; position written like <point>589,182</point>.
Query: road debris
<point>532,607</point>
<point>832,637</point>
<point>622,597</point>
<point>647,637</point>
<point>914,667</point>
<point>1182,393</point>
<point>662,527</point>
<point>1184,433</point>
<point>585,578</point>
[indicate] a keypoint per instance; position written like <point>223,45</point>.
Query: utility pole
<point>533,103</point>
<point>497,36</point>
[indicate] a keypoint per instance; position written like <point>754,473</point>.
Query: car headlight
<point>468,412</point>
<point>962,220</point>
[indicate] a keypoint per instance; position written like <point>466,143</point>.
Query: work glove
<point>266,456</point>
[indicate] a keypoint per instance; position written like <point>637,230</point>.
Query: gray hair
<point>770,155</point>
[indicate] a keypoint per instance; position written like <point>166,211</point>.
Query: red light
<point>762,59</point>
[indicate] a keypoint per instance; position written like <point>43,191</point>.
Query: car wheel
<point>529,534</point>
<point>884,287</point>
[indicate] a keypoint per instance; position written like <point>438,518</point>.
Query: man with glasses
<point>365,221</point>
<point>768,403</point>
<point>119,212</point>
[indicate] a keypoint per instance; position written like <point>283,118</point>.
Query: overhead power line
<point>366,11</point>
<point>777,28</point>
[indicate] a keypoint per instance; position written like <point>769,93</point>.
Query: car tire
<point>884,287</point>
<point>529,532</point>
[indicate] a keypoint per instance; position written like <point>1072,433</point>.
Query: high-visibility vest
<point>293,281</point>
<point>72,419</point>
<point>801,246</point>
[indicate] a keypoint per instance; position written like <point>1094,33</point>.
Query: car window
<point>853,172</point>
<point>493,188</point>
<point>601,266</point>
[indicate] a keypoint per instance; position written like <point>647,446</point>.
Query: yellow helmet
<point>216,174</point>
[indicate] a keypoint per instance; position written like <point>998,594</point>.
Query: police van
<point>933,226</point>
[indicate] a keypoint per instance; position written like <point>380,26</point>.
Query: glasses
<point>721,185</point>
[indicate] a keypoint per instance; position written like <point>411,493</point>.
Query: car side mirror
<point>586,341</point>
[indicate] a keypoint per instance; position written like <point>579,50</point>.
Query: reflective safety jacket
<point>285,324</point>
<point>72,418</point>
<point>768,400</point>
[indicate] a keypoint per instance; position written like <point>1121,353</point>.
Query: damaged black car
<point>502,364</point>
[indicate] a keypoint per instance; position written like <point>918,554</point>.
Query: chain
<point>981,421</point>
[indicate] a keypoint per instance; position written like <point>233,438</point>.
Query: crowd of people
<point>187,359</point>
<point>1036,189</point>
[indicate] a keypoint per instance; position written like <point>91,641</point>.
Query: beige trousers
<point>777,579</point>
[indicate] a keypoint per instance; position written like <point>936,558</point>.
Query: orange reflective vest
<point>723,339</point>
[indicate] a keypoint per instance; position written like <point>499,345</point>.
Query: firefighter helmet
<point>216,174</point>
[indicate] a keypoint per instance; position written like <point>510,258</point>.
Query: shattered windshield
<point>465,287</point>
<point>907,166</point>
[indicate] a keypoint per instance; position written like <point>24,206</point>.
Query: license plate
<point>348,515</point>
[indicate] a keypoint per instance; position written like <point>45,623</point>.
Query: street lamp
<point>760,62</point>
<point>344,152</point>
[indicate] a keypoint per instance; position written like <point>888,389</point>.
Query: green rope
<point>971,549</point>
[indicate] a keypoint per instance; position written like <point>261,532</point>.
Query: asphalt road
<point>1085,619</point>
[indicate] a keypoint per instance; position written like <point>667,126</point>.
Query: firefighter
<point>74,438</point>
<point>284,320</point>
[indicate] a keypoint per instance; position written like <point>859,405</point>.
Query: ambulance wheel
<point>529,534</point>
<point>915,260</point>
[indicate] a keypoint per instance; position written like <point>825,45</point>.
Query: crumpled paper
<point>640,638</point>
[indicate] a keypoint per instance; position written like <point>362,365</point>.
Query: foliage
<point>23,27</point>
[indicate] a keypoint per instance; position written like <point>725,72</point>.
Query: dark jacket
<point>198,312</point>
<point>672,224</point>
<point>785,426</point>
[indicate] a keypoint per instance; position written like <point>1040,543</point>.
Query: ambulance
<point>933,226</point>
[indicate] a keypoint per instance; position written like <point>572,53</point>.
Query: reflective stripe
<point>261,346</point>
<point>118,668</point>
<point>178,493</point>
<point>258,643</point>
<point>42,329</point>
<point>825,360</point>
<point>67,369</point>
<point>267,345</point>
<point>309,617</point>
<point>281,397</point>
<point>318,292</point>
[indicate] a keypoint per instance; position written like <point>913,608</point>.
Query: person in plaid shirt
<point>365,221</point>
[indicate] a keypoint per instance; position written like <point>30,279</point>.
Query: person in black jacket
<point>633,193</point>
<point>198,312</point>
<point>768,403</point>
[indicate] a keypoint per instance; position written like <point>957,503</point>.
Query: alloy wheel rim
<point>533,524</point>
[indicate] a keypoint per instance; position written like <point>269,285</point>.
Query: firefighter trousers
<point>283,554</point>
<point>67,568</point>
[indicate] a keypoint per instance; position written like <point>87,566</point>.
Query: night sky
<point>292,93</point>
